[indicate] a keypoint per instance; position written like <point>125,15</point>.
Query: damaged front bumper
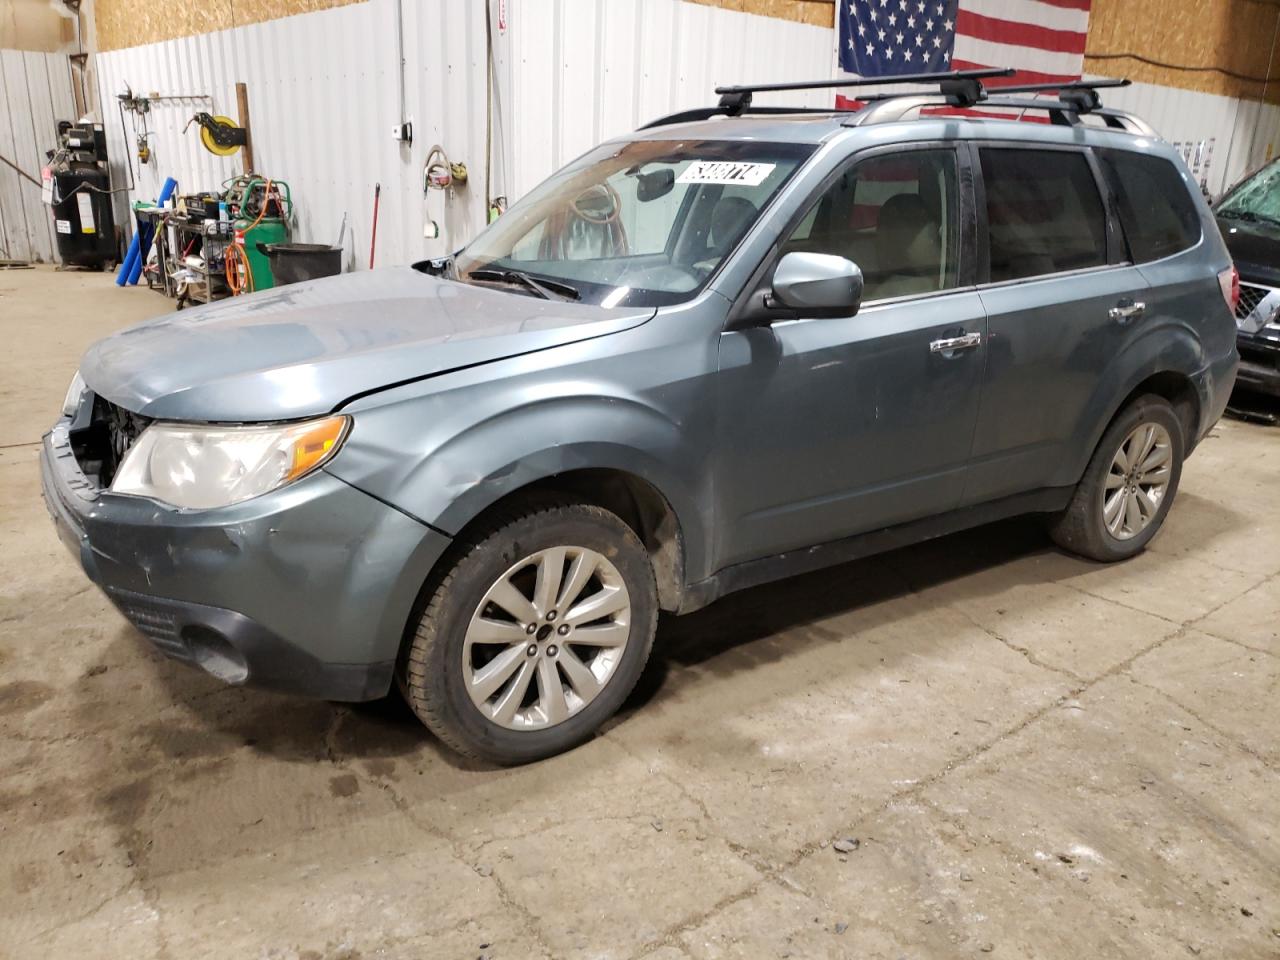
<point>306,589</point>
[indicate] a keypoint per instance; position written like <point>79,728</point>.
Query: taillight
<point>1229,281</point>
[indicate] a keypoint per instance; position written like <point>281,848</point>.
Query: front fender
<point>483,445</point>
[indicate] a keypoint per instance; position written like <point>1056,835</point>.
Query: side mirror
<point>817,284</point>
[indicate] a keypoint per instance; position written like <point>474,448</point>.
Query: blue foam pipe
<point>142,238</point>
<point>122,275</point>
<point>144,246</point>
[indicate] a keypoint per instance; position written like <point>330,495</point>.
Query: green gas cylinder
<point>247,196</point>
<point>267,230</point>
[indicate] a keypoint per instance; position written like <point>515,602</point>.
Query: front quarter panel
<point>639,401</point>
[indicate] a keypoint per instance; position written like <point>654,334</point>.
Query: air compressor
<point>79,191</point>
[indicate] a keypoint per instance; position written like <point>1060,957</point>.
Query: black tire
<point>431,667</point>
<point>1081,527</point>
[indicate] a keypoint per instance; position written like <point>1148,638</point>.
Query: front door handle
<point>1127,310</point>
<point>949,345</point>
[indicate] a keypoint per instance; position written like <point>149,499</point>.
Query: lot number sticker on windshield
<point>726,171</point>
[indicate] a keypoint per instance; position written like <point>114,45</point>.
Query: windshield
<point>1257,198</point>
<point>643,223</point>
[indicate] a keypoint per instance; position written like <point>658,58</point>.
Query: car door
<point>1062,300</point>
<point>831,426</point>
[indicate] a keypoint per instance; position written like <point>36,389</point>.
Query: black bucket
<point>294,262</point>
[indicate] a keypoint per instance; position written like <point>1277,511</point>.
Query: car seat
<point>908,248</point>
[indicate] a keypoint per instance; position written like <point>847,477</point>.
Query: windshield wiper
<point>547,289</point>
<point>1249,216</point>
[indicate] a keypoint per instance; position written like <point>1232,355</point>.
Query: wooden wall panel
<point>819,13</point>
<point>131,23</point>
<point>1229,41</point>
<point>34,25</point>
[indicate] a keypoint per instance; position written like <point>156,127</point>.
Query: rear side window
<point>1044,213</point>
<point>1158,216</point>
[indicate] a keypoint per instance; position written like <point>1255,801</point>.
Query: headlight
<point>71,402</point>
<point>199,467</point>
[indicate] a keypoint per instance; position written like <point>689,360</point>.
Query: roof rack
<point>960,88</point>
<point>1075,99</point>
<point>957,88</point>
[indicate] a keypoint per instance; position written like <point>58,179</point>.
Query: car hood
<point>305,349</point>
<point>1255,248</point>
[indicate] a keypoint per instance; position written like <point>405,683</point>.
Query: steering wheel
<point>593,215</point>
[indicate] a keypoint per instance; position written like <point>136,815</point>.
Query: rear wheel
<point>535,635</point>
<point>1129,485</point>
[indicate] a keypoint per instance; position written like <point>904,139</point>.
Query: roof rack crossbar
<point>1101,83</point>
<point>929,78</point>
<point>962,88</point>
<point>1083,94</point>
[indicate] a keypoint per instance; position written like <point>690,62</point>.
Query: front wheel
<point>535,635</point>
<point>1129,485</point>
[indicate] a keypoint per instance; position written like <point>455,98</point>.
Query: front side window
<point>896,217</point>
<point>1044,213</point>
<point>1158,216</point>
<point>643,223</point>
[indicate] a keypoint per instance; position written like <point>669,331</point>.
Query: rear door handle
<point>951,344</point>
<point>1127,310</point>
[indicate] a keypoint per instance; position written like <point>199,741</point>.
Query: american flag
<point>1042,39</point>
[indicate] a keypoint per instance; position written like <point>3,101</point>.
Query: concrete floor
<point>1037,756</point>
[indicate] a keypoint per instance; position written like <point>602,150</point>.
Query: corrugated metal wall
<point>323,99</point>
<point>1240,131</point>
<point>569,74</point>
<point>35,93</point>
<point>587,70</point>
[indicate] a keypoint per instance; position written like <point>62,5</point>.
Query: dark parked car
<point>1249,217</point>
<point>701,357</point>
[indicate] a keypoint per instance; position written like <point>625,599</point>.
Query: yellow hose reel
<point>219,135</point>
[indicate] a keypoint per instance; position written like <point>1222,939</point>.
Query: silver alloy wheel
<point>546,638</point>
<point>1137,480</point>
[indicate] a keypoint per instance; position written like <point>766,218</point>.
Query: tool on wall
<point>373,239</point>
<point>494,206</point>
<point>139,107</point>
<point>439,173</point>
<point>219,135</point>
<point>402,132</point>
